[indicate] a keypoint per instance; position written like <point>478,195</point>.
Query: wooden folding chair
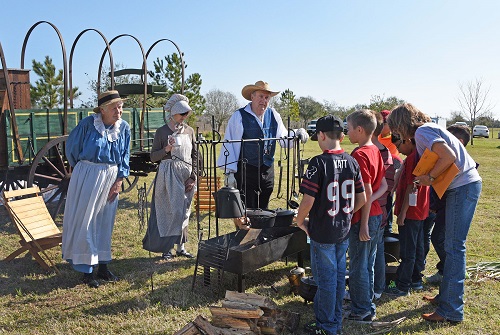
<point>38,232</point>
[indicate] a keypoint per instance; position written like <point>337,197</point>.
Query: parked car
<point>311,127</point>
<point>461,123</point>
<point>480,131</point>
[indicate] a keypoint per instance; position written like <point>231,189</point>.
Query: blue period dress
<point>99,154</point>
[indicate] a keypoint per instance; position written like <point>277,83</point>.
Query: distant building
<point>439,120</point>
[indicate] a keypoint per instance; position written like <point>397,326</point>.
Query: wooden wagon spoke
<point>60,202</point>
<point>128,185</point>
<point>49,188</point>
<point>44,176</point>
<point>18,183</point>
<point>50,171</point>
<point>49,163</point>
<point>60,158</point>
<point>54,195</point>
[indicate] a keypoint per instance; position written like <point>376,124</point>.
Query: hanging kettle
<point>228,203</point>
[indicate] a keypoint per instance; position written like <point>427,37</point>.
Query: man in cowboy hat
<point>254,121</point>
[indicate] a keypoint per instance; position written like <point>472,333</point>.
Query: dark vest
<point>258,153</point>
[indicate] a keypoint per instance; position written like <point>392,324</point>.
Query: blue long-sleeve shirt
<point>109,145</point>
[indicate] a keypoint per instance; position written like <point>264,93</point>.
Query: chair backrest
<point>28,212</point>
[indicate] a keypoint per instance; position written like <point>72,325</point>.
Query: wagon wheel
<point>51,172</point>
<point>129,183</point>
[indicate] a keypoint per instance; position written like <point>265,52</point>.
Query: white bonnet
<point>177,104</point>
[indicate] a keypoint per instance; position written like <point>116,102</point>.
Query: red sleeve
<point>364,165</point>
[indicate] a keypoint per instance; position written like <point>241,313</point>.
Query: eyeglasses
<point>399,144</point>
<point>184,114</point>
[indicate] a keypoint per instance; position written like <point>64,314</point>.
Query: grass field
<point>35,302</point>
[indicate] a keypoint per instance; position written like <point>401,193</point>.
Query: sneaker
<point>394,291</point>
<point>310,326</point>
<point>392,284</point>
<point>167,256</point>
<point>313,329</point>
<point>184,253</point>
<point>104,273</point>
<point>367,318</point>
<point>318,331</point>
<point>434,279</point>
<point>417,286</point>
<point>89,280</point>
<point>377,296</point>
<point>107,275</point>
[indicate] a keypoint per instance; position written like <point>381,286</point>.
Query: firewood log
<point>230,322</point>
<point>268,325</point>
<point>250,298</point>
<point>189,329</point>
<point>290,320</point>
<point>207,329</point>
<point>254,313</point>
<point>238,305</point>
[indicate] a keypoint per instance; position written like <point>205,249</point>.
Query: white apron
<point>173,204</point>
<point>88,216</point>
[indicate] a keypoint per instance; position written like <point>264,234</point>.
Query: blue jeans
<point>428,227</point>
<point>437,238</point>
<point>411,250</point>
<point>461,204</point>
<point>361,267</point>
<point>328,265</point>
<point>379,268</point>
<point>389,207</point>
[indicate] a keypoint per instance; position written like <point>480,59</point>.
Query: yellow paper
<point>425,165</point>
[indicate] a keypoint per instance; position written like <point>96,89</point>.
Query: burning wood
<point>243,314</point>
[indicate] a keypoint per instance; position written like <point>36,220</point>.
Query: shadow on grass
<point>5,224</point>
<point>172,283</point>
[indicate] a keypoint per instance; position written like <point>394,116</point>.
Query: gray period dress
<point>171,205</point>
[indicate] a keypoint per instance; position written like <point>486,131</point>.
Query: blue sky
<point>341,51</point>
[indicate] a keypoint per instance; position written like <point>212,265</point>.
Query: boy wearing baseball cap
<point>333,190</point>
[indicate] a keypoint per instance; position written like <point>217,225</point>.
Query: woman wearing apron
<point>175,181</point>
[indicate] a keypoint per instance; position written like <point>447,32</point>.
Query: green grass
<point>35,302</point>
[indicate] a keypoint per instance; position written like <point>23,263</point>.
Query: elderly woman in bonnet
<point>174,148</point>
<point>98,150</point>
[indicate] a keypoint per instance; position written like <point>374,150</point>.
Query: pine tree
<point>48,91</point>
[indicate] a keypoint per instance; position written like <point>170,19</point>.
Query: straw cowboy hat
<point>107,98</point>
<point>259,86</point>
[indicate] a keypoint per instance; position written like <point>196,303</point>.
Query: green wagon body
<point>38,126</point>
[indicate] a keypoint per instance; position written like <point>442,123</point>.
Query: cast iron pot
<point>307,288</point>
<point>391,248</point>
<point>228,203</point>
<point>260,218</point>
<point>284,217</point>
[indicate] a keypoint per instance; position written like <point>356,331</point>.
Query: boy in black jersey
<point>333,190</point>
